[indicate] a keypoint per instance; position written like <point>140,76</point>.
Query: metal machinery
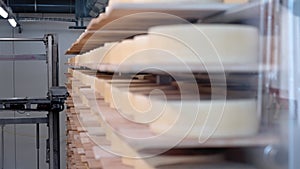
<point>53,103</point>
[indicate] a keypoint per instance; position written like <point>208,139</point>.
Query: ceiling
<point>26,10</point>
<point>82,8</point>
<point>41,6</point>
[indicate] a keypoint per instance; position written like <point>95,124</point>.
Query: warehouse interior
<point>149,84</point>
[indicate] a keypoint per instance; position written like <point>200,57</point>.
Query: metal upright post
<point>55,61</point>
<point>49,59</point>
<point>54,140</point>
<point>2,146</point>
<point>54,130</point>
<point>38,145</point>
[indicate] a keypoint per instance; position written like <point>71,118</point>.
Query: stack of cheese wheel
<point>206,118</point>
<point>71,61</point>
<point>108,96</point>
<point>96,55</point>
<point>181,45</point>
<point>119,51</point>
<point>189,44</point>
<point>170,111</point>
<point>122,98</point>
<point>139,89</point>
<point>207,43</point>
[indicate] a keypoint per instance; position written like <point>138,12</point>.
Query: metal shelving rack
<point>53,104</point>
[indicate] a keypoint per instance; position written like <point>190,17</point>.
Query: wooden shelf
<point>173,68</point>
<point>123,20</point>
<point>86,150</point>
<point>183,10</point>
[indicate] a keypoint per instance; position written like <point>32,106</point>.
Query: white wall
<point>29,78</point>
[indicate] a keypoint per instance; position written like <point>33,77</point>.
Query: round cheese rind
<point>211,43</point>
<point>202,118</point>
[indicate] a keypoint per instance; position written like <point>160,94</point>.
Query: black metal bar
<point>23,121</point>
<point>2,147</point>
<point>37,145</point>
<point>53,81</point>
<point>43,5</point>
<point>24,19</point>
<point>49,42</point>
<point>54,140</point>
<point>24,100</point>
<point>55,61</point>
<point>26,104</point>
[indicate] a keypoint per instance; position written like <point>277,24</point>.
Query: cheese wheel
<point>123,100</point>
<point>119,52</point>
<point>109,50</point>
<point>207,44</point>
<point>189,44</point>
<point>93,57</point>
<point>126,49</point>
<point>106,86</point>
<point>71,61</point>
<point>175,117</point>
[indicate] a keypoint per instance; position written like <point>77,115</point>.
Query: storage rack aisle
<point>99,136</point>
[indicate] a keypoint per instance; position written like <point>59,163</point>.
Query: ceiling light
<point>3,13</point>
<point>12,22</point>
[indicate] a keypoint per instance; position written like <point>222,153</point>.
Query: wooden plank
<point>187,68</point>
<point>81,143</point>
<point>123,20</point>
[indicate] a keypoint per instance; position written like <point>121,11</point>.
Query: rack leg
<point>37,145</point>
<point>54,140</point>
<point>2,146</point>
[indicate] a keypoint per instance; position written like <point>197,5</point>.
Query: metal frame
<point>53,103</point>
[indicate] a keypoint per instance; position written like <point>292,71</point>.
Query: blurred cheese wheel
<point>204,118</point>
<point>121,51</point>
<point>207,43</point>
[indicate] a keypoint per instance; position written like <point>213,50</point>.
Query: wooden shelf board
<point>135,18</point>
<point>174,68</point>
<point>92,155</point>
